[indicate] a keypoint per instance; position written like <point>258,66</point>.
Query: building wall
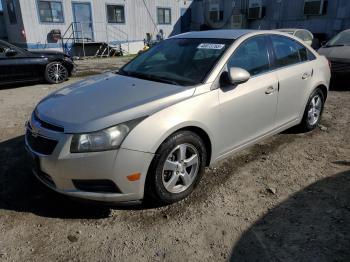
<point>279,14</point>
<point>3,32</point>
<point>290,14</point>
<point>140,18</point>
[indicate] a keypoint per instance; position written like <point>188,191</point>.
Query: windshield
<point>340,39</point>
<point>178,61</point>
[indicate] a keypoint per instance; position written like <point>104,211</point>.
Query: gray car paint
<point>106,100</point>
<point>337,52</point>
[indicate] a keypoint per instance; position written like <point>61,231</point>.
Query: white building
<point>39,23</point>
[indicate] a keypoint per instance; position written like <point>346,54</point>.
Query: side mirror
<point>237,75</point>
<point>10,52</point>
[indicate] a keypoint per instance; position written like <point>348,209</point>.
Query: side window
<point>287,51</point>
<point>251,55</point>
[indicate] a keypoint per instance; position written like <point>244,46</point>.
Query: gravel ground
<point>284,199</point>
<point>91,66</point>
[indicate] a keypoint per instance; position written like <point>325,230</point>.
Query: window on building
<point>11,10</point>
<point>216,15</point>
<point>315,7</point>
<point>50,11</point>
<point>164,16</point>
<point>252,56</point>
<point>115,14</point>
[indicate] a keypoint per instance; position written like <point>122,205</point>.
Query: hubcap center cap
<point>181,167</point>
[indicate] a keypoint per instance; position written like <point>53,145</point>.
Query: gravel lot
<point>285,199</point>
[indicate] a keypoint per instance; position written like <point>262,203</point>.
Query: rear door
<point>248,110</point>
<point>25,65</point>
<point>294,71</point>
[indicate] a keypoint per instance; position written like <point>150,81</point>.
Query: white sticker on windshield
<point>211,46</point>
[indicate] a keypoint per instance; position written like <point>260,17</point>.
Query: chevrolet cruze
<point>150,129</point>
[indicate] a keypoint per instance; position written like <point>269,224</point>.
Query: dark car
<point>337,50</point>
<point>20,65</point>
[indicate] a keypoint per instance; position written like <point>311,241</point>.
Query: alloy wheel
<point>180,168</point>
<point>57,73</point>
<point>315,109</point>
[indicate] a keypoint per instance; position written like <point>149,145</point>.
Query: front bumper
<point>61,168</point>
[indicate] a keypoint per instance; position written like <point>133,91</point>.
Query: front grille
<point>47,125</point>
<point>41,145</point>
<point>96,186</point>
<point>340,67</point>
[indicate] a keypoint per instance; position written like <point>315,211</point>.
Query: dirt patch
<point>284,199</point>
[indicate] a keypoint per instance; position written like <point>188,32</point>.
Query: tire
<point>170,164</point>
<point>313,111</point>
<point>56,73</point>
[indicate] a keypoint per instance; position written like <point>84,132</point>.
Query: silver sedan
<point>149,130</point>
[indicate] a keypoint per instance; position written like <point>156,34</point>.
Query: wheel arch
<point>195,129</point>
<point>68,66</point>
<point>324,90</point>
<point>204,136</point>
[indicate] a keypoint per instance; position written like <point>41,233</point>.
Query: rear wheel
<point>313,111</point>
<point>176,168</point>
<point>56,73</point>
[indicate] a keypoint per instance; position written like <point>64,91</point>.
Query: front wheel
<point>313,111</point>
<point>176,168</point>
<point>56,73</point>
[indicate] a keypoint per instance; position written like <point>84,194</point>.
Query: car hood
<point>339,52</point>
<point>106,100</point>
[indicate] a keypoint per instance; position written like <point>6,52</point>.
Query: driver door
<point>248,110</point>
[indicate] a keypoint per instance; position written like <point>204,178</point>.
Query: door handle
<point>270,90</point>
<point>305,76</point>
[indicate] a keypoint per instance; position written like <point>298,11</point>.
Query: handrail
<point>101,32</point>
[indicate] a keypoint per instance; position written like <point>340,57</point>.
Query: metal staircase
<point>104,40</point>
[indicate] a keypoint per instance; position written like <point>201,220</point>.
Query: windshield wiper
<point>148,77</point>
<point>163,80</point>
<point>121,72</point>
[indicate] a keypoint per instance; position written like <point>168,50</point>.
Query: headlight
<point>107,139</point>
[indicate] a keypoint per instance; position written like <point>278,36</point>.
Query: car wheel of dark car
<point>56,73</point>
<point>176,168</point>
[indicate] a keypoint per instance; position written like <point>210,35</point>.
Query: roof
<point>223,34</point>
<point>290,29</point>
